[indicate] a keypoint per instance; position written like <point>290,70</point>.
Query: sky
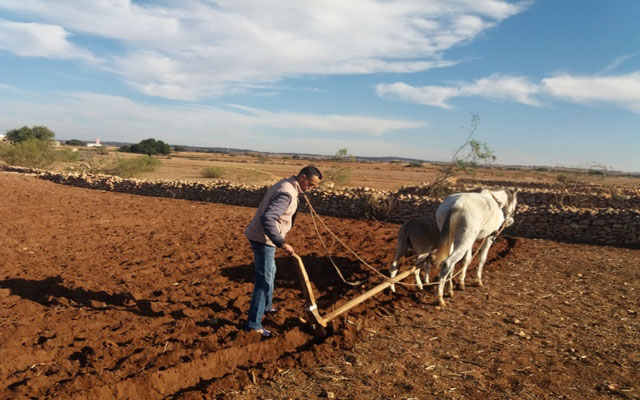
<point>554,82</point>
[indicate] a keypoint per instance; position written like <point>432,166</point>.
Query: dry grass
<point>251,170</point>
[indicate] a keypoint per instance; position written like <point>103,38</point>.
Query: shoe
<point>266,333</point>
<point>263,332</point>
<point>272,310</point>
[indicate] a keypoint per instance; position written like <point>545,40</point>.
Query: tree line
<point>147,146</point>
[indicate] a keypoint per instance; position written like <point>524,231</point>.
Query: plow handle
<point>318,324</point>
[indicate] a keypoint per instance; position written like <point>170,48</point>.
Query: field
<point>260,169</point>
<point>107,295</point>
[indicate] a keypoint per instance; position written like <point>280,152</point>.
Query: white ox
<point>464,218</point>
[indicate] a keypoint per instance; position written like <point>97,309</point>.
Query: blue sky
<point>555,83</point>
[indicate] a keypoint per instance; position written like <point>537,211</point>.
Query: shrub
<point>213,172</point>
<point>75,142</point>
<point>102,150</point>
<point>339,176</point>
<point>31,153</point>
<point>569,179</point>
<point>379,208</point>
<point>4,146</point>
<point>68,155</point>
<point>415,164</point>
<point>261,158</point>
<point>132,167</point>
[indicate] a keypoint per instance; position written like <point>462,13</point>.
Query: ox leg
<point>427,270</point>
<point>393,272</point>
<point>445,274</point>
<point>421,265</point>
<point>450,280</point>
<point>463,273</point>
<point>416,274</point>
<point>483,257</point>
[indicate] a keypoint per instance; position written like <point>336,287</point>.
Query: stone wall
<point>590,214</point>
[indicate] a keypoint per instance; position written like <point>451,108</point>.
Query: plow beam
<point>318,322</point>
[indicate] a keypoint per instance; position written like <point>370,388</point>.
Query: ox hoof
<point>462,287</point>
<point>442,303</point>
<point>480,284</point>
<point>393,288</point>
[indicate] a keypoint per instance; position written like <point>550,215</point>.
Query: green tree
<point>74,142</point>
<point>148,146</point>
<point>26,133</point>
<point>343,155</point>
<point>19,135</point>
<point>43,133</point>
<point>464,158</point>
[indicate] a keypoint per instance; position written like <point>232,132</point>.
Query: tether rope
<point>315,215</point>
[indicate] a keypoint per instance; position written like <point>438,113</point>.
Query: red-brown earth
<point>107,295</point>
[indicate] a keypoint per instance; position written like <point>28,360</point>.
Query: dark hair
<point>310,171</point>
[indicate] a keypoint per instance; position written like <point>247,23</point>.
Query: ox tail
<point>447,235</point>
<point>401,250</point>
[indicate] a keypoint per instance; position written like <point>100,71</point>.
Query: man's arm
<point>276,208</point>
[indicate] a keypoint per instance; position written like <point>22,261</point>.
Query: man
<point>266,232</point>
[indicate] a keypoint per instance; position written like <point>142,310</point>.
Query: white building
<point>96,144</point>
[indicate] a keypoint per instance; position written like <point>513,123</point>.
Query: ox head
<point>509,207</point>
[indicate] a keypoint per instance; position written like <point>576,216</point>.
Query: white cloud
<point>495,87</point>
<point>39,40</point>
<point>507,88</point>
<point>621,91</point>
<point>198,48</point>
<point>88,115</point>
<point>617,62</point>
<point>436,96</point>
<point>115,19</point>
<point>326,123</point>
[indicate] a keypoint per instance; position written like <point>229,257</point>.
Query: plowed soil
<point>106,295</point>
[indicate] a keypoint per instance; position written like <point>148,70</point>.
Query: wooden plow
<point>318,322</point>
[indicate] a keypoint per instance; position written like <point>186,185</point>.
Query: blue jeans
<point>264,276</point>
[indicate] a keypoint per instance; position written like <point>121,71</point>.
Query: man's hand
<point>287,247</point>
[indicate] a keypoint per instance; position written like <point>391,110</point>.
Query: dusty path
<point>106,295</point>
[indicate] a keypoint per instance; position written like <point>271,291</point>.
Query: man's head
<point>309,177</point>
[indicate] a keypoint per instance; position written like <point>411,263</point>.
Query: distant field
<point>261,169</point>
